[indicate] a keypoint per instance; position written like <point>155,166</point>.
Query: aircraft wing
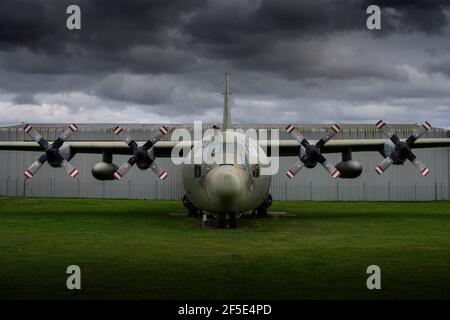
<point>290,147</point>
<point>286,147</point>
<point>162,148</point>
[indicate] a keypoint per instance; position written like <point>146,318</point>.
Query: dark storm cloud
<point>168,57</point>
<point>111,24</point>
<point>167,36</point>
<point>416,15</point>
<point>115,35</point>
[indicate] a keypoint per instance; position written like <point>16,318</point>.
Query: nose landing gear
<point>227,221</point>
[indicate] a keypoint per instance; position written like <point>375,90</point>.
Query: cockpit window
<point>215,150</point>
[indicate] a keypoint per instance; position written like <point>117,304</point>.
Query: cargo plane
<point>226,189</point>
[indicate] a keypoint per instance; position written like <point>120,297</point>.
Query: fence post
<point>129,189</point>
<point>24,186</point>
<point>364,190</point>
<point>310,191</point>
<point>416,192</point>
<point>51,186</point>
<point>79,187</point>
<point>389,191</point>
<point>337,191</point>
<point>435,191</point>
<point>285,190</point>
<point>17,187</point>
<point>7,185</point>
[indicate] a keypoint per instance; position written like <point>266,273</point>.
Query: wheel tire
<point>269,200</point>
<point>261,211</point>
<point>193,211</point>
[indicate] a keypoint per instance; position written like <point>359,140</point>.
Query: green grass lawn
<point>137,249</point>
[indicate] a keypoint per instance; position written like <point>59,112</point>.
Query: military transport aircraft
<point>227,189</point>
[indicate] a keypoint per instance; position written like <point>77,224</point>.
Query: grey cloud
<point>24,99</point>
<point>288,59</point>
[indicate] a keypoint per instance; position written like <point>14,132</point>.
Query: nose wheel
<point>227,221</point>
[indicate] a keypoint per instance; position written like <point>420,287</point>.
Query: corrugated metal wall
<point>398,183</point>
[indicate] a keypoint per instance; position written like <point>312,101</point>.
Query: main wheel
<point>193,211</point>
<point>261,211</point>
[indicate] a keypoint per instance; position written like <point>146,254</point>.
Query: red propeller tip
<point>425,171</point>
<point>380,124</point>
<point>73,127</point>
<point>163,175</point>
<point>28,174</point>
<point>74,173</point>
<point>289,128</point>
<point>336,128</point>
<point>426,125</point>
<point>379,170</point>
<point>336,174</point>
<point>163,130</point>
<point>118,130</point>
<point>27,128</point>
<point>290,174</point>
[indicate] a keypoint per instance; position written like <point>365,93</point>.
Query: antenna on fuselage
<point>226,105</point>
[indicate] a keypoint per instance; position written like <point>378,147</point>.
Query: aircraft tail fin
<point>226,105</point>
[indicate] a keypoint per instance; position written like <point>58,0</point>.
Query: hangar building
<point>399,183</point>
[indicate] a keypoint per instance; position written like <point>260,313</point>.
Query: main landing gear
<point>261,211</point>
<point>193,211</point>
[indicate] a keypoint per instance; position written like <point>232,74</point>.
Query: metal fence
<point>311,191</point>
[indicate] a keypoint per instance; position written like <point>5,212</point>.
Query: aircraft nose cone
<point>226,187</point>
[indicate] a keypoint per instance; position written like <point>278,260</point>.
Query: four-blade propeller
<point>402,149</point>
<point>143,156</point>
<point>310,155</point>
<point>52,152</point>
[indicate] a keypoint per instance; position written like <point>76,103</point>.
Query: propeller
<point>52,153</point>
<point>143,156</point>
<point>402,150</point>
<point>310,155</point>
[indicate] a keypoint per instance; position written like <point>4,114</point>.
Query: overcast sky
<point>163,61</point>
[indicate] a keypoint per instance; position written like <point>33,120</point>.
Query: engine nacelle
<point>349,168</point>
<point>104,171</point>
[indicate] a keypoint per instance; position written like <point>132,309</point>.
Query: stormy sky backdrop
<point>163,61</point>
